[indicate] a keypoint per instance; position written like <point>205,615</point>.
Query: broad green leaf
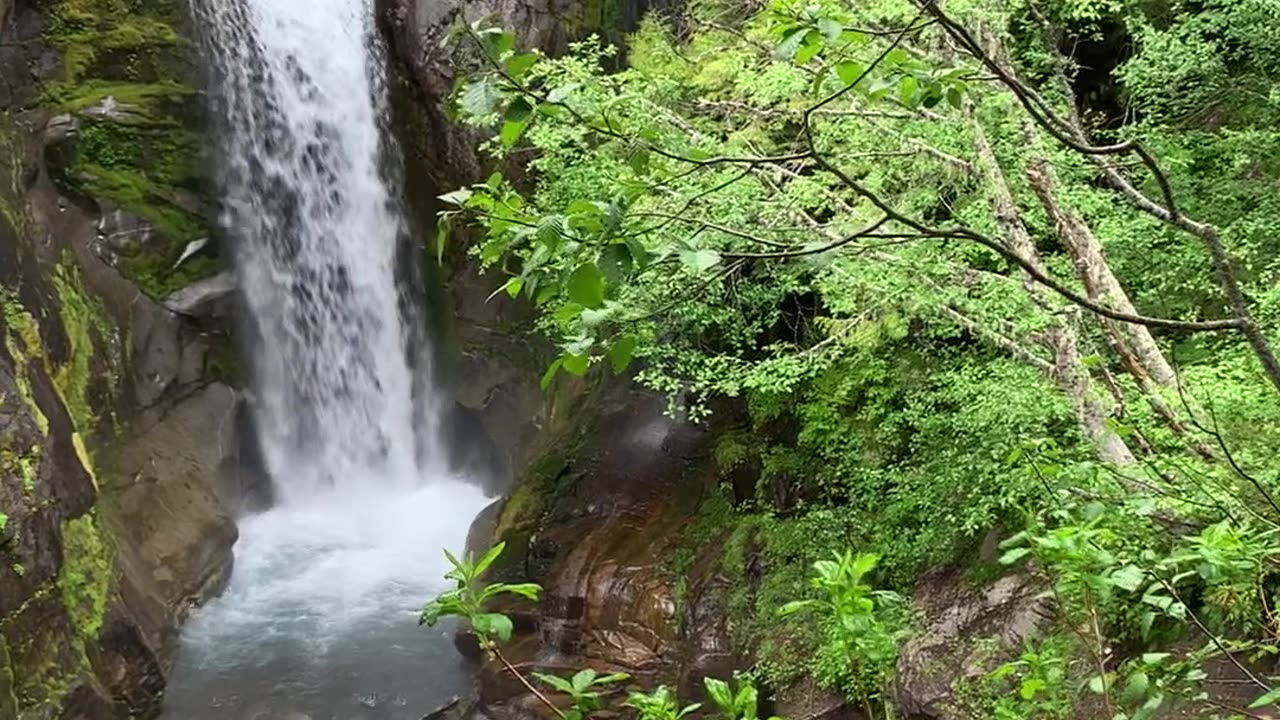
<point>480,98</point>
<point>518,65</point>
<point>850,72</point>
<point>559,683</point>
<point>458,197</point>
<point>576,364</point>
<point>810,48</point>
<point>830,29</point>
<point>1128,578</point>
<point>1266,699</point>
<point>583,679</point>
<point>1014,555</point>
<point>515,121</point>
<point>718,691</point>
<point>586,286</point>
<point>700,261</point>
<point>560,93</point>
<point>484,562</point>
<point>621,352</point>
<point>495,624</point>
<point>791,43</point>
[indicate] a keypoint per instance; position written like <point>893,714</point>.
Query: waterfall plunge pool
<point>321,617</point>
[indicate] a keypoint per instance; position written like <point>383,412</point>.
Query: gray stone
<point>965,632</point>
<point>207,298</point>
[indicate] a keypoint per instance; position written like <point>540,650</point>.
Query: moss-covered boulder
<point>124,137</point>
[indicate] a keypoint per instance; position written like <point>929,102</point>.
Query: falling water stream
<point>319,618</point>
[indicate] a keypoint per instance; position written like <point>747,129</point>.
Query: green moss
<point>86,30</point>
<point>22,466</point>
<point>81,319</point>
<point>85,577</point>
<point>222,364</point>
<point>22,340</point>
<point>144,158</point>
<point>145,101</point>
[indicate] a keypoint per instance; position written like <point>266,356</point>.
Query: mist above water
<point>320,615</point>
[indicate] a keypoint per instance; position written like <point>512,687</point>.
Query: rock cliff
<point>117,414</point>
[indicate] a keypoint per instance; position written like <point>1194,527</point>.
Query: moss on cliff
<point>85,577</point>
<point>125,76</point>
<point>82,319</point>
<point>22,340</point>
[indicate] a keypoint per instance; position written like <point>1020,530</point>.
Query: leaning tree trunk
<point>1068,371</point>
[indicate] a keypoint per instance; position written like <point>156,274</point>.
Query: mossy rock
<point>131,138</point>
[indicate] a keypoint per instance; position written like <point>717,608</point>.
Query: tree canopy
<point>968,265</point>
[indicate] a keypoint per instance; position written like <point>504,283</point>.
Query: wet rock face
<point>595,520</point>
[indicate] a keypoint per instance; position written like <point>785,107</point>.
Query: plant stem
<point>493,648</point>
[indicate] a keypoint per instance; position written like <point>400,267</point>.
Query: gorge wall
<point>117,407</point>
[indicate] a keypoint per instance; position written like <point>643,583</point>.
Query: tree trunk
<point>1067,371</point>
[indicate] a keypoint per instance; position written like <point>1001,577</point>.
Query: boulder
<point>965,632</point>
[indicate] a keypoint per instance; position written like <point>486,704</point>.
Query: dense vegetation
<point>972,268</point>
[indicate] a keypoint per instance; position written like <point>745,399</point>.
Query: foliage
<point>861,626</point>
<point>580,689</point>
<point>660,704</point>
<point>467,600</point>
<point>835,218</point>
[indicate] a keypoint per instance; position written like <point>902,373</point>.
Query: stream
<point>320,618</point>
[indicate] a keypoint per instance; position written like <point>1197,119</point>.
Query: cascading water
<point>319,615</point>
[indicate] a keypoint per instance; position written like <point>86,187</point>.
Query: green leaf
<point>551,230</point>
<point>1136,688</point>
<point>621,352</point>
<point>484,562</point>
<point>1128,578</point>
<point>458,197</point>
<point>550,374</point>
<point>1012,556</point>
<point>583,679</point>
<point>639,160</point>
<point>561,93</point>
<point>791,43</point>
<point>586,286</point>
<point>850,72</point>
<point>576,364</point>
<point>511,287</point>
<point>495,624</point>
<point>810,48</point>
<point>718,691</point>
<point>515,121</point>
<point>525,590</point>
<point>480,98</point>
<point>559,683</point>
<point>616,263</point>
<point>1266,699</point>
<point>700,261</point>
<point>830,29</point>
<point>795,606</point>
<point>518,65</point>
<point>1097,684</point>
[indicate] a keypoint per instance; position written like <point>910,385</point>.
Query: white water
<point>320,615</point>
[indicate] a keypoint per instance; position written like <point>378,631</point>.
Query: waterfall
<point>307,197</point>
<point>319,615</point>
